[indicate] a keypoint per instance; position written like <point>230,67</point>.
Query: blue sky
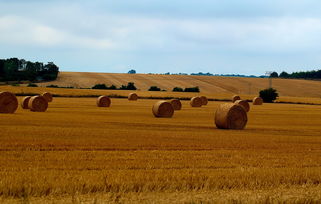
<point>221,37</point>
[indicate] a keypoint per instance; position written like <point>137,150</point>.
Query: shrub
<point>178,89</point>
<point>32,85</point>
<point>113,87</point>
<point>100,86</point>
<point>192,89</point>
<point>154,88</point>
<point>269,95</point>
<point>52,86</point>
<point>130,86</point>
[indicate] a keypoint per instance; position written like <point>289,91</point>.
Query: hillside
<point>207,84</point>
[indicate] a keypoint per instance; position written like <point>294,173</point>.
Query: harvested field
<point>77,152</point>
<point>207,84</point>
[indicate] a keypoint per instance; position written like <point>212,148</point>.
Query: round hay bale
<point>25,102</point>
<point>47,96</point>
<point>235,98</point>
<point>132,97</point>
<point>177,105</point>
<point>196,102</point>
<point>38,104</point>
<point>103,101</point>
<point>8,102</point>
<point>204,100</point>
<point>244,104</point>
<point>230,116</point>
<point>163,109</point>
<point>257,101</point>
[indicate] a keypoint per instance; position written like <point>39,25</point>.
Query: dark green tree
<point>177,89</point>
<point>284,75</point>
<point>269,95</point>
<point>274,75</point>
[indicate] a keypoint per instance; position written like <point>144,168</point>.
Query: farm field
<point>208,84</point>
<point>65,92</point>
<point>76,152</point>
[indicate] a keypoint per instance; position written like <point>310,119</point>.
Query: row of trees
<point>129,86</point>
<point>298,75</point>
<point>15,69</point>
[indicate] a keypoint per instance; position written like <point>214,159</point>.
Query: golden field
<point>79,153</point>
<point>208,84</point>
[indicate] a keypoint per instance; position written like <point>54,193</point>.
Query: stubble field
<point>76,152</point>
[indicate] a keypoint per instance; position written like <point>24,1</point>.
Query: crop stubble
<point>77,148</point>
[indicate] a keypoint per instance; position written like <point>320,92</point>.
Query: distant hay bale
<point>47,96</point>
<point>196,102</point>
<point>235,98</point>
<point>230,116</point>
<point>38,104</point>
<point>176,103</point>
<point>132,97</point>
<point>244,104</point>
<point>163,109</point>
<point>8,102</point>
<point>204,100</point>
<point>257,101</point>
<point>103,101</point>
<point>25,102</point>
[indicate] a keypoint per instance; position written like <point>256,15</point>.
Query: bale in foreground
<point>8,102</point>
<point>204,100</point>
<point>235,98</point>
<point>230,116</point>
<point>196,102</point>
<point>47,96</point>
<point>38,104</point>
<point>163,109</point>
<point>25,102</point>
<point>257,101</point>
<point>244,104</point>
<point>103,101</point>
<point>132,97</point>
<point>177,105</point>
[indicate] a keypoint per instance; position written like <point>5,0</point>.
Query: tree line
<point>15,69</point>
<point>314,74</point>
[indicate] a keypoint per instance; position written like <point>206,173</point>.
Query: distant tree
<point>130,86</point>
<point>284,75</point>
<point>269,95</point>
<point>132,71</point>
<point>192,89</point>
<point>100,86</point>
<point>113,87</point>
<point>178,89</point>
<point>274,75</point>
<point>154,88</point>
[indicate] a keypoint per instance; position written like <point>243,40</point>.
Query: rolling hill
<point>207,84</point>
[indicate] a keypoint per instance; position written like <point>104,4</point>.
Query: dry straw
<point>230,116</point>
<point>257,101</point>
<point>177,105</point>
<point>47,96</point>
<point>244,104</point>
<point>235,98</point>
<point>8,102</point>
<point>25,102</point>
<point>103,101</point>
<point>132,97</point>
<point>204,100</point>
<point>196,102</point>
<point>38,104</point>
<point>163,109</point>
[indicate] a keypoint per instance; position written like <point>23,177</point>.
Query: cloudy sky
<point>232,36</point>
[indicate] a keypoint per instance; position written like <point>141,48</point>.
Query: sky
<point>156,36</point>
